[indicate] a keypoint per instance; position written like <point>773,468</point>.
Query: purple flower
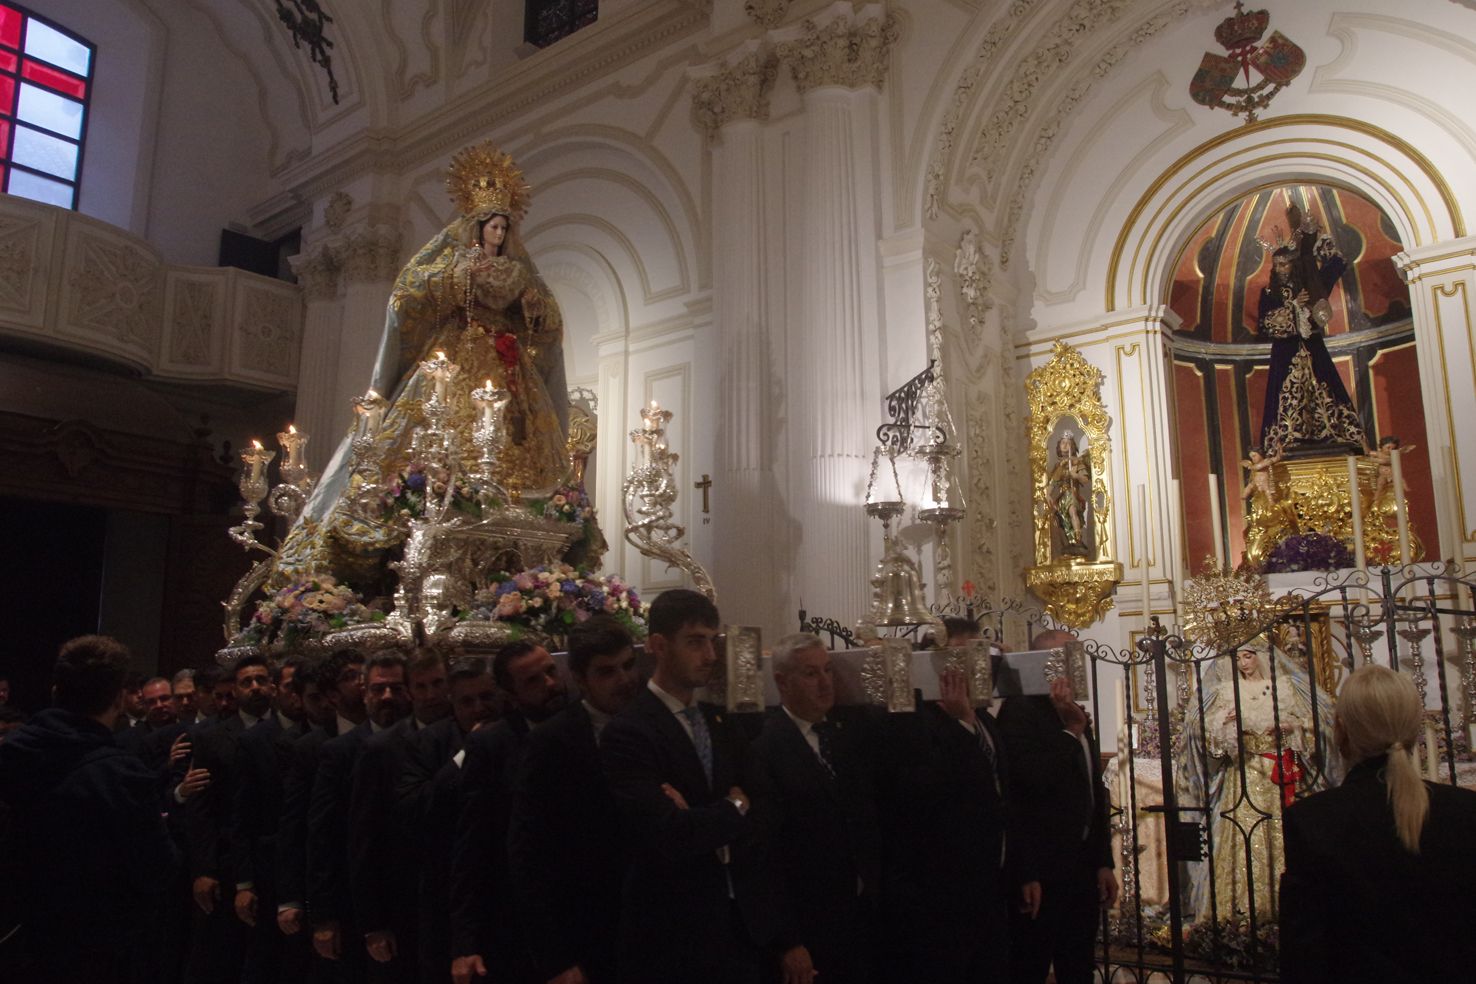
<point>415,481</point>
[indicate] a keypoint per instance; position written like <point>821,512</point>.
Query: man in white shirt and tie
<point>691,905</point>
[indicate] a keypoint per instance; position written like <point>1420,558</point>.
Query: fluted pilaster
<point>319,273</point>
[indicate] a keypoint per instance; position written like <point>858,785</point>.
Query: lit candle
<point>292,444</point>
<point>1400,515</point>
<point>1147,540</point>
<point>487,401</point>
<point>1217,525</point>
<point>370,407</point>
<point>256,460</point>
<point>1355,498</point>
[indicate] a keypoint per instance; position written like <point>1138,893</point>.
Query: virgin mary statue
<point>473,295</point>
<point>1249,748</point>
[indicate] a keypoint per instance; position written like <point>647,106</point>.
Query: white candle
<point>1400,515</point>
<point>1355,498</point>
<point>1432,754</point>
<point>1176,524</point>
<point>1453,489</point>
<point>1217,525</point>
<point>370,408</point>
<point>1124,750</point>
<point>258,460</point>
<point>1147,541</point>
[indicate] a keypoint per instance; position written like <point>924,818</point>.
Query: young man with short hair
<point>691,905</point>
<point>567,849</point>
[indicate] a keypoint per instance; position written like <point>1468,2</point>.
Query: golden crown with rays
<point>482,180</point>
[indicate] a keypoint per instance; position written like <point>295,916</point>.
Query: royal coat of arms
<point>1277,60</point>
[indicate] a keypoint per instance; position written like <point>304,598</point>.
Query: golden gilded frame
<point>1075,590</point>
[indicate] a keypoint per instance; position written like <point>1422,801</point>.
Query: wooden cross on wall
<point>705,485</point>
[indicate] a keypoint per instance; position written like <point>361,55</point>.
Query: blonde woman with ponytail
<point>1380,881</point>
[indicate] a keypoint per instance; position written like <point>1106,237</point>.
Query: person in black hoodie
<point>85,821</point>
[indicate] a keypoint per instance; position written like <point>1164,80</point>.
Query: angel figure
<point>1270,518</point>
<point>1384,455</point>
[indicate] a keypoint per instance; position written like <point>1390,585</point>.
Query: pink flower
<point>611,604</point>
<point>510,604</point>
<point>524,581</point>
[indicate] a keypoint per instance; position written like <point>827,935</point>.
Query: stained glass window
<point>546,21</point>
<point>45,83</point>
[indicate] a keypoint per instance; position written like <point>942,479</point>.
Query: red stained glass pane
<point>10,26</point>
<point>7,60</point>
<point>4,135</point>
<point>7,94</point>
<point>2,176</point>
<point>53,79</point>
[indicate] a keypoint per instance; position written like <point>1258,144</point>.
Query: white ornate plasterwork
<point>266,331</point>
<point>851,52</point>
<point>114,293</point>
<point>336,212</point>
<point>1045,137</point>
<point>1000,33</point>
<point>191,323</point>
<point>974,280</point>
<point>317,272</point>
<point>766,13</point>
<point>17,262</point>
<point>372,254</point>
<point>736,91</point>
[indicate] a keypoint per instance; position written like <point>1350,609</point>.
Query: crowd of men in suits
<point>351,819</point>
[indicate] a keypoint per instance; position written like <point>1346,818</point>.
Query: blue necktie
<point>701,737</point>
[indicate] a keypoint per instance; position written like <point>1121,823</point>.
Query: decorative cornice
<point>736,91</point>
<point>849,51</point>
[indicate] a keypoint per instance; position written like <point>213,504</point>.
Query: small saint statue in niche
<point>1272,518</point>
<point>1068,489</point>
<point>1306,402</point>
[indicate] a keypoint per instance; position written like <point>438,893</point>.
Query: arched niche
<point>1379,165</point>
<point>1220,363</point>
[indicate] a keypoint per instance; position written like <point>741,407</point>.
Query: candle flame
<point>292,428</point>
<point>655,405</point>
<point>371,395</point>
<point>440,356</point>
<point>489,384</point>
<point>256,445</point>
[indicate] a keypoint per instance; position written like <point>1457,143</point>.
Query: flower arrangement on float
<point>553,598</point>
<point>303,612</point>
<point>1309,552</point>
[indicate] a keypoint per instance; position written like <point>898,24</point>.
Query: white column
<point>317,375</point>
<point>732,102</point>
<point>1442,295</point>
<point>835,424</point>
<point>833,396</point>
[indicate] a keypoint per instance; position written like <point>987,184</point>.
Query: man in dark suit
<point>816,806</point>
<point>382,872</point>
<point>484,933</point>
<point>428,800</point>
<point>1061,851</point>
<point>93,856</point>
<point>567,851</point>
<point>692,907</point>
<point>157,700</point>
<point>263,754</point>
<point>336,935</point>
<point>941,797</point>
<point>217,939</point>
<point>333,699</point>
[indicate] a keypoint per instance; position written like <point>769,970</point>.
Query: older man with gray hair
<point>819,814</point>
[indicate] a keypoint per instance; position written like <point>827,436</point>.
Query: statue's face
<point>1281,266</point>
<point>1246,661</point>
<point>494,234</point>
